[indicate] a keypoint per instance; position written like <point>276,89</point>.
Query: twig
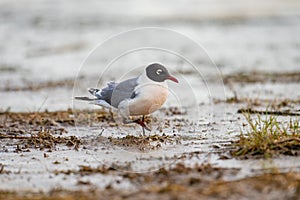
<point>15,137</point>
<point>288,140</point>
<point>283,113</point>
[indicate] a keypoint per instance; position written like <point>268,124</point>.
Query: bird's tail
<point>85,98</point>
<point>95,92</point>
<point>102,96</point>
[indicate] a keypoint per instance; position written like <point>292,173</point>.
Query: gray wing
<point>114,93</point>
<point>124,90</point>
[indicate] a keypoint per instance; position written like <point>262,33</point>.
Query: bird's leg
<point>142,124</point>
<point>111,114</point>
<point>143,127</point>
<point>139,122</point>
<point>143,131</point>
<point>143,120</point>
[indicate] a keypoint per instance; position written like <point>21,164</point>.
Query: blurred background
<point>44,42</point>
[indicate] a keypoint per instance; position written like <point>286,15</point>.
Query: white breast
<point>150,97</point>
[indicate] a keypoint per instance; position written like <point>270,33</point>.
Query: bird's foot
<point>142,124</point>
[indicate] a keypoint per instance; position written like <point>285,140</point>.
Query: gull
<point>137,96</point>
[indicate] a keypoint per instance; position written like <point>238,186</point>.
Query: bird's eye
<point>159,71</point>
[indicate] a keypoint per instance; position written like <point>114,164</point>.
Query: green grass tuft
<point>268,136</point>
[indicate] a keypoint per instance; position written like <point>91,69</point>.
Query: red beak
<point>172,78</point>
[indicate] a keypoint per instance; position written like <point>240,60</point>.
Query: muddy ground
<point>86,154</point>
<point>52,147</point>
<point>39,144</point>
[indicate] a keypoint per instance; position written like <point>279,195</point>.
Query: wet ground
<point>54,148</point>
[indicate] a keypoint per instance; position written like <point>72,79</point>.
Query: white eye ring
<point>159,71</point>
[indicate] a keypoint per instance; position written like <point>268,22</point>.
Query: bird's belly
<point>149,101</point>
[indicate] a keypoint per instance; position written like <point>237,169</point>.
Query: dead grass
<point>146,143</point>
<point>267,136</point>
<point>44,139</point>
<point>262,77</point>
<point>45,130</point>
<point>15,124</point>
<point>266,186</point>
<point>250,102</point>
<point>33,86</point>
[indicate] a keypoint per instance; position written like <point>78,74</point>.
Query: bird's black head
<point>158,73</point>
